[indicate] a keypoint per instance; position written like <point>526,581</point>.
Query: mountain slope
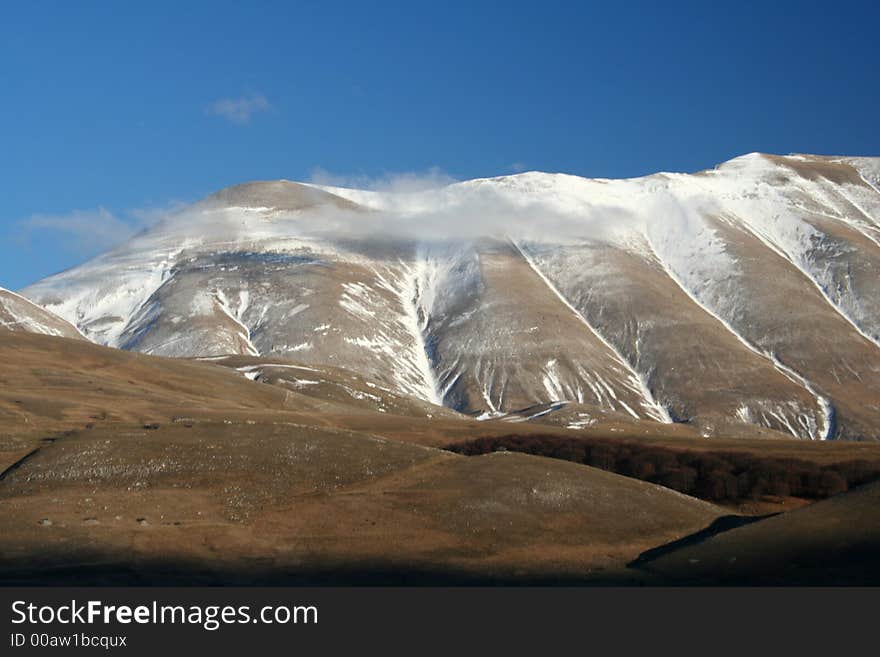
<point>19,314</point>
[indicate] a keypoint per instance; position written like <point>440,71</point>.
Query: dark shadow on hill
<point>161,572</point>
<point>835,542</point>
<point>858,567</point>
<point>722,524</point>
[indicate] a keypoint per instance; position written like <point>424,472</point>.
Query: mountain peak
<point>281,195</point>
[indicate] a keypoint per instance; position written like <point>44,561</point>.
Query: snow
<point>412,294</point>
<point>356,299</point>
<point>103,295</point>
<point>25,315</point>
<point>302,383</point>
<point>653,409</point>
<point>235,316</point>
<point>823,431</point>
<point>250,368</point>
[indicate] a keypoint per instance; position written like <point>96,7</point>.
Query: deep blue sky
<point>108,109</point>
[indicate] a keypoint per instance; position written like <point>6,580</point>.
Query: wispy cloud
<point>82,231</point>
<point>239,110</point>
<point>426,208</point>
<point>87,232</point>
<point>389,182</point>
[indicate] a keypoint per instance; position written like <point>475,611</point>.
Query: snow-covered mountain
<point>20,314</point>
<point>748,294</point>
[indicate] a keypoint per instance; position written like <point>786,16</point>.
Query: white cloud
<point>80,231</point>
<point>87,232</point>
<point>239,110</point>
<point>433,178</point>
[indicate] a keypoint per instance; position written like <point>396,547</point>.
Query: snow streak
<point>31,323</point>
<point>827,410</point>
<point>244,332</point>
<point>768,242</point>
<point>409,290</point>
<point>654,409</point>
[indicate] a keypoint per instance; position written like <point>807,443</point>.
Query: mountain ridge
<point>739,295</point>
<point>18,313</point>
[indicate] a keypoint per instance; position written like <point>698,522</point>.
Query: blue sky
<point>111,113</point>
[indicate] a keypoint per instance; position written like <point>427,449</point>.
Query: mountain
<point>733,299</point>
<point>19,314</point>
